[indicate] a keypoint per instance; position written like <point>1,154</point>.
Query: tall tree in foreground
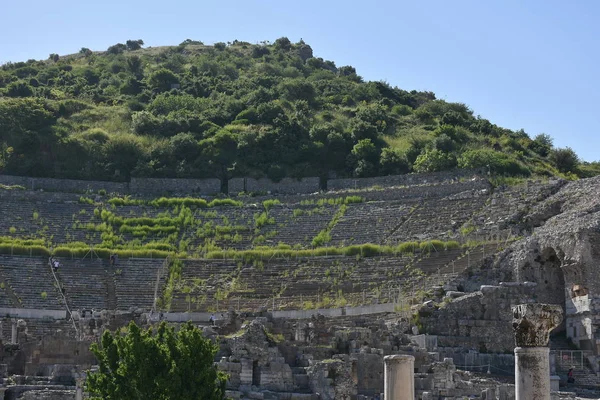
<point>163,365</point>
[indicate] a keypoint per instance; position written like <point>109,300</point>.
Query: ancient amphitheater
<point>309,291</point>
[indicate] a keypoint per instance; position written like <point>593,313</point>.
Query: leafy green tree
<point>23,120</point>
<point>283,43</point>
<point>542,144</point>
<point>162,79</point>
<point>85,51</point>
<point>393,162</point>
<point>122,154</point>
<point>134,44</point>
<point>493,161</point>
<point>221,152</point>
<point>185,147</point>
<point>5,154</point>
<point>297,89</point>
<point>54,57</point>
<point>364,158</point>
<point>417,145</point>
<point>565,159</point>
<point>116,48</point>
<point>360,130</point>
<point>432,160</point>
<point>457,134</point>
<point>453,118</point>
<point>444,143</point>
<point>134,65</point>
<point>19,89</point>
<point>144,364</point>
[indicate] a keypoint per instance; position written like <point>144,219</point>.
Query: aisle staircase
<point>567,356</point>
<point>61,291</point>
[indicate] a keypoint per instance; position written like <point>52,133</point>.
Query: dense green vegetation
<point>163,364</point>
<point>240,109</point>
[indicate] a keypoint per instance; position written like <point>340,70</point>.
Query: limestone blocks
<point>533,322</point>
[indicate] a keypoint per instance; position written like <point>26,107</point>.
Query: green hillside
<point>240,109</point>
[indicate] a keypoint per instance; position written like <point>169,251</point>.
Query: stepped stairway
<point>567,356</point>
<point>301,381</point>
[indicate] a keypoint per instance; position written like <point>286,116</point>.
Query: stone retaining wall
<point>156,186</point>
<point>399,180</point>
<point>285,186</point>
<point>32,313</point>
<point>63,185</point>
<point>167,186</point>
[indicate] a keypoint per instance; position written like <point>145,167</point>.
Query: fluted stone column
<point>13,332</point>
<point>532,324</point>
<point>399,377</point>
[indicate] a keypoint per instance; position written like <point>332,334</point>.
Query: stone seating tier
<point>293,282</point>
<point>88,283</point>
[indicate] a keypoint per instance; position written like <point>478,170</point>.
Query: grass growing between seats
<point>175,201</point>
<point>363,250</point>
<point>175,270</point>
<point>11,187</point>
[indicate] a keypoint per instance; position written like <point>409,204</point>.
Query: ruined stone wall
<point>479,321</point>
<point>165,186</point>
<point>285,186</point>
<point>400,180</point>
<point>156,186</point>
<point>63,185</point>
<point>499,364</point>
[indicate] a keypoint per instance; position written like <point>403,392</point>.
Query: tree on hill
<point>162,79</point>
<point>162,364</point>
<point>566,159</point>
<point>116,49</point>
<point>134,44</point>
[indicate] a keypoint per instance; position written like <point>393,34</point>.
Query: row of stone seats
<point>509,204</point>
<point>50,220</point>
<point>95,284</point>
<point>57,220</point>
<point>136,280</point>
<point>369,222</point>
<point>235,216</point>
<point>37,328</point>
<point>30,281</point>
<point>88,283</point>
<point>295,281</point>
<point>435,219</point>
<point>300,229</point>
<point>84,282</point>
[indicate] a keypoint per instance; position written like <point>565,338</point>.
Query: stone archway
<point>546,270</point>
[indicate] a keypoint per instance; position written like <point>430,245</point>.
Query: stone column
<point>532,324</point>
<point>13,332</point>
<point>502,392</point>
<point>488,394</point>
<point>79,388</point>
<point>399,377</point>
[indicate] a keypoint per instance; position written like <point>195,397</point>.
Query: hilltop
<point>240,109</point>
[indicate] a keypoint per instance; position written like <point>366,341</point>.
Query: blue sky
<point>521,64</point>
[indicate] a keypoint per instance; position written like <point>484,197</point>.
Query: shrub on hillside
<point>495,161</point>
<point>432,160</point>
<point>565,159</point>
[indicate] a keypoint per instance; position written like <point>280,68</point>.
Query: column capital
<point>533,322</point>
<point>398,359</point>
